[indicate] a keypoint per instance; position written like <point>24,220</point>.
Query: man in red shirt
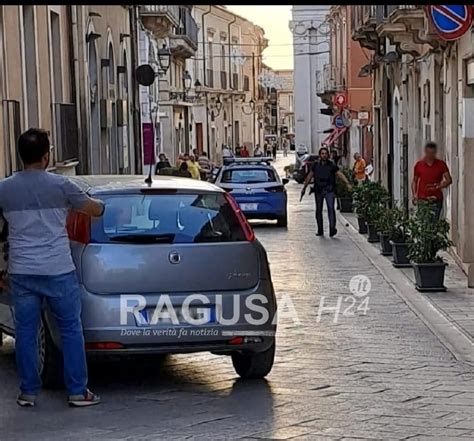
<point>430,176</point>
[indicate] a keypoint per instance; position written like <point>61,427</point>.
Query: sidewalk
<point>454,307</point>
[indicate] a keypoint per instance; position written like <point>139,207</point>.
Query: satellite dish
<point>145,75</point>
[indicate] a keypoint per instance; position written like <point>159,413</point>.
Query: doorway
<point>199,138</point>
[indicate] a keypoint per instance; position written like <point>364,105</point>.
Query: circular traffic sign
<point>340,100</point>
<point>450,21</point>
<point>339,122</point>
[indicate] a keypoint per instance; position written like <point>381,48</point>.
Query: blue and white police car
<point>256,186</point>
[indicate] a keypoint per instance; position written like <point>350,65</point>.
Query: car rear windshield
<point>167,218</point>
<point>248,176</point>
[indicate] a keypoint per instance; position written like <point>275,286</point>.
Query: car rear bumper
<point>271,206</point>
<point>106,332</point>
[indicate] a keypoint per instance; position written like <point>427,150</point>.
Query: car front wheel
<point>50,360</point>
<point>254,365</point>
<point>282,221</point>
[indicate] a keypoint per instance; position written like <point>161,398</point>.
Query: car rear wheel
<point>50,360</point>
<point>254,365</point>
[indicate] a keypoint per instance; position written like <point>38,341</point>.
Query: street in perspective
<point>230,222</point>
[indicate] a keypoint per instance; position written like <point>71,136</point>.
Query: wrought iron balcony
<point>364,20</point>
<point>184,41</point>
<point>160,19</point>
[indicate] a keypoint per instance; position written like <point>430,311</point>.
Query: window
<point>30,65</point>
<point>248,176</point>
<point>223,57</point>
<point>167,218</point>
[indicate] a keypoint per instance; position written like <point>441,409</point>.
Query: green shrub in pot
<point>427,236</point>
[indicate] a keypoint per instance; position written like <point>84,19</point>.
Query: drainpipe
<point>137,139</point>
<point>204,45</point>
<point>204,73</point>
<point>75,89</point>
<point>230,82</point>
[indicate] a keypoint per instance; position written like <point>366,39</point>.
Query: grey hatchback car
<point>171,267</point>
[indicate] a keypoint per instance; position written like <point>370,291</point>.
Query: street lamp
<point>164,57</point>
<point>218,105</point>
<point>251,105</point>
<point>187,81</point>
<point>198,88</point>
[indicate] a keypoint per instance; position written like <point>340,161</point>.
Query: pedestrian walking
<point>268,150</point>
<point>285,148</point>
<point>274,150</point>
<point>324,173</point>
<point>35,203</point>
<point>226,152</point>
<point>257,151</point>
<point>359,168</point>
<point>430,176</point>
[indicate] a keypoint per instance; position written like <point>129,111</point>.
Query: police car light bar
<point>250,160</point>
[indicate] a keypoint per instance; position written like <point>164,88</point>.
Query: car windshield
<point>248,176</point>
<point>167,218</point>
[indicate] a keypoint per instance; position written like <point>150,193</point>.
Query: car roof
<point>96,184</point>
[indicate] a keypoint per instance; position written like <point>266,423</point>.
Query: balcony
<point>160,19</point>
<point>364,20</point>
<point>184,41</point>
<point>330,80</point>
<point>403,25</point>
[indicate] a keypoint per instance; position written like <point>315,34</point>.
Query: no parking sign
<point>450,21</point>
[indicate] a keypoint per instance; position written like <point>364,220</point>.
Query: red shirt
<point>429,175</point>
<point>244,153</point>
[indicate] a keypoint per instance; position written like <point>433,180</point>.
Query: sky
<point>274,20</point>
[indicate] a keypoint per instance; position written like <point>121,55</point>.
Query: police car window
<point>248,176</point>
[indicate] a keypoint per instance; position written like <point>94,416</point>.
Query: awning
<point>334,136</point>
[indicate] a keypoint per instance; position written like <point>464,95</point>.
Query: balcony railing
<point>187,27</point>
<point>160,19</point>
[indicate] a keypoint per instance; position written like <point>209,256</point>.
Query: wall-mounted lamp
<point>164,57</point>
<point>92,36</point>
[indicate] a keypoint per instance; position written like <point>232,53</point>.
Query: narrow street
<point>376,373</point>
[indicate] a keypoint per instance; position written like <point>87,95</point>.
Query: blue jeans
<point>63,297</point>
<point>320,196</point>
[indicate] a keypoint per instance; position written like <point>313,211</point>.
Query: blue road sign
<point>339,122</point>
<point>450,21</point>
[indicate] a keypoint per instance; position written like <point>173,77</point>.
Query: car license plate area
<point>206,314</point>
<point>249,207</point>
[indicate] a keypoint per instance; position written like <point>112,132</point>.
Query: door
<point>237,133</point>
<point>199,138</point>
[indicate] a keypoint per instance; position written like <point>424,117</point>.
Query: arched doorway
<point>112,131</point>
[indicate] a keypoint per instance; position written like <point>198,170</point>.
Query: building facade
<point>311,53</point>
<point>346,75</point>
<point>67,69</point>
<point>423,90</point>
<point>286,104</point>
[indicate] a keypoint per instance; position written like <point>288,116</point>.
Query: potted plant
<point>428,235</point>
<point>387,227</point>
<point>377,200</point>
<point>399,238</point>
<point>343,194</point>
<point>360,204</point>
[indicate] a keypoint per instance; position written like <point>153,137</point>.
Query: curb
<point>453,338</point>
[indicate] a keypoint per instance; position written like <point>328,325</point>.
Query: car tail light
<point>79,227</point>
<point>103,345</point>
<point>236,341</point>
<point>276,189</point>
<point>248,231</point>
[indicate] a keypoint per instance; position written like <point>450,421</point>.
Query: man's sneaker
<point>88,399</point>
<point>320,233</point>
<point>333,232</point>
<point>25,400</point>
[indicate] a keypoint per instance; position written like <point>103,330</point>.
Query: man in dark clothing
<point>162,163</point>
<point>324,172</point>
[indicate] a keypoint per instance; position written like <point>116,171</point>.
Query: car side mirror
<point>285,181</point>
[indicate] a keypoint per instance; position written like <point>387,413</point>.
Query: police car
<point>257,188</point>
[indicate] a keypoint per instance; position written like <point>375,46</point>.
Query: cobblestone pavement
<point>375,374</point>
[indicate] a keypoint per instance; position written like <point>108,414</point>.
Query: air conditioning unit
<point>122,113</point>
<point>105,114</point>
